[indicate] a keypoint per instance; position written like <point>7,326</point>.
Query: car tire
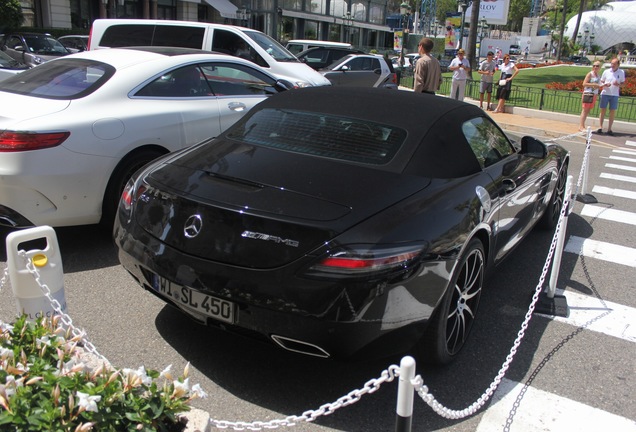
<point>452,321</point>
<point>552,212</point>
<point>122,173</point>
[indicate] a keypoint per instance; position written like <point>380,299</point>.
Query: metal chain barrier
<point>423,391</point>
<point>352,397</point>
<point>387,375</point>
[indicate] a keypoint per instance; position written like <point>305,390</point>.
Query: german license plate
<point>193,300</point>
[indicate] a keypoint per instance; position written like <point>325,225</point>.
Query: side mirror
<point>282,85</point>
<point>344,68</point>
<point>18,48</point>
<point>532,147</point>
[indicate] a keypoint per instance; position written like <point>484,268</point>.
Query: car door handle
<point>509,185</point>
<point>237,106</point>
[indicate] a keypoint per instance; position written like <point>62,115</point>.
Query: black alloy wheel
<point>452,322</point>
<point>552,213</point>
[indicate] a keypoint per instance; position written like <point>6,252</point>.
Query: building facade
<point>360,22</point>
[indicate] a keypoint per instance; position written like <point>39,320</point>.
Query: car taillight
<point>359,260</point>
<point>394,78</point>
<point>26,141</point>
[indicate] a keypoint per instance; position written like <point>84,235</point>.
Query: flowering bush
<point>629,89</point>
<point>46,385</point>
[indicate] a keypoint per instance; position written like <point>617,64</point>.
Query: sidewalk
<point>549,124</point>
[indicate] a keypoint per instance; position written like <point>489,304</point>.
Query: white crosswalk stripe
<point>623,178</point>
<point>621,167</point>
<point>621,193</point>
<point>621,158</point>
<point>611,214</point>
<point>601,250</point>
<point>620,322</point>
<point>627,152</point>
<point>539,410</point>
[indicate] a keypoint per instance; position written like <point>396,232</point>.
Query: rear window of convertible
<point>322,135</point>
<point>60,79</point>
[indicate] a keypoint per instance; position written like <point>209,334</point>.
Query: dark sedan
<point>334,227</point>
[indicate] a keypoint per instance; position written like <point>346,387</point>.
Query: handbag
<point>588,97</point>
<point>503,82</point>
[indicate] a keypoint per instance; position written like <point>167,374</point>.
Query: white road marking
<point>601,250</point>
<point>621,167</point>
<point>608,214</point>
<point>627,179</point>
<point>621,193</point>
<point>540,411</point>
<point>627,152</point>
<point>620,158</point>
<point>630,143</point>
<point>619,323</point>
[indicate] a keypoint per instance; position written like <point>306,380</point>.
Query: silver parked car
<point>32,49</point>
<point>361,70</point>
<point>9,66</point>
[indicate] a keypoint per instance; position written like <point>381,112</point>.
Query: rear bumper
<point>388,320</point>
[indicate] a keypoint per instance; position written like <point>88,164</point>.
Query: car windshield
<point>322,135</point>
<point>41,44</point>
<point>60,79</point>
<point>273,48</point>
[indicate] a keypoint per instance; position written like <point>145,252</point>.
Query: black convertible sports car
<point>333,225</point>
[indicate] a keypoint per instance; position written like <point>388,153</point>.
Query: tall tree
<point>472,35</point>
<point>11,17</point>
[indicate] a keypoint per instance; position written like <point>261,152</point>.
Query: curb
<point>198,421</point>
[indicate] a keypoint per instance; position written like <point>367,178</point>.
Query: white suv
<point>241,42</point>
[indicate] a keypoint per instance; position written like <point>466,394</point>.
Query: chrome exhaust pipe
<point>300,347</point>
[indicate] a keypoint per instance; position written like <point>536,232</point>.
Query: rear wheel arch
<point>126,167</point>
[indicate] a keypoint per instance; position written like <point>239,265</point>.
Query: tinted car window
<point>486,140</point>
<point>188,37</point>
<point>62,79</point>
<point>127,35</point>
<point>322,135</point>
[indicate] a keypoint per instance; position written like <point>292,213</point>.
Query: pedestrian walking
<point>591,84</point>
<point>526,51</point>
<point>461,71</point>
<point>611,82</point>
<point>508,72</point>
<point>428,72</point>
<point>487,70</point>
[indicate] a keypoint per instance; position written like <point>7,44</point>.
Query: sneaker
<point>599,131</point>
<point>610,133</point>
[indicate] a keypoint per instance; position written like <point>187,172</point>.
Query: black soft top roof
<point>433,123</point>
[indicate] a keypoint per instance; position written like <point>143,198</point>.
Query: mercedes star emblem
<point>192,226</point>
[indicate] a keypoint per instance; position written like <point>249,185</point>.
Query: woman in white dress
<point>508,71</point>
<point>591,84</point>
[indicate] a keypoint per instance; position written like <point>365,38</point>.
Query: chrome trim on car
<point>192,226</point>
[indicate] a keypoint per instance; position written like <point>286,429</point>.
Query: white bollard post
<point>583,196</point>
<point>549,303</point>
<point>404,409</point>
<point>558,251</point>
<point>29,296</point>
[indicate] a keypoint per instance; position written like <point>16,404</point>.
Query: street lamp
<point>483,31</point>
<point>347,21</point>
<point>463,6</point>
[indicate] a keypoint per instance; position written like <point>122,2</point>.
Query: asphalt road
<point>563,363</point>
